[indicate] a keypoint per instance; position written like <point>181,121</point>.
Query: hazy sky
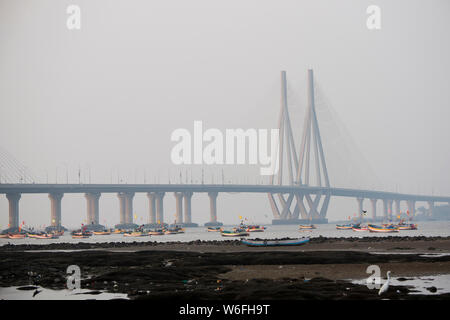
<point>109,95</point>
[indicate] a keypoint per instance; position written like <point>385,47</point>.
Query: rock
<point>432,289</point>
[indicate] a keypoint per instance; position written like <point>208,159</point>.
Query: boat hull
<point>275,243</point>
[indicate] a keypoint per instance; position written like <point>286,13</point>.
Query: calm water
<point>426,228</point>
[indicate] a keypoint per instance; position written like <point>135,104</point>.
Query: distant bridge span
<point>156,192</point>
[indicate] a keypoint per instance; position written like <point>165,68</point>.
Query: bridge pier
<point>374,209</point>
<point>129,207</point>
<point>160,207</point>
<point>179,207</point>
<point>385,209</point>
<point>92,200</point>
<point>13,201</point>
<point>397,207</point>
<point>360,207</point>
<point>411,208</point>
<point>389,203</point>
<point>187,208</point>
<point>152,207</point>
<point>213,209</point>
<point>121,197</point>
<point>430,208</point>
<point>55,202</point>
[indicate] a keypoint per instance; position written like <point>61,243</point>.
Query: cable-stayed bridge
<point>300,192</point>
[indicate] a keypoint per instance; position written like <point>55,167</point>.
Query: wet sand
<point>229,270</point>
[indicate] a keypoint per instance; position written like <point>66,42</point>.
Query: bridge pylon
<point>308,168</point>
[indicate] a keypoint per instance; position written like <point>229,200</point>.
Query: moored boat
<point>135,234</point>
<point>267,243</point>
<point>407,226</point>
<point>102,233</point>
<point>17,235</point>
<point>157,232</point>
<point>255,228</point>
<point>3,236</point>
<point>306,226</point>
<point>236,232</point>
<point>382,229</point>
<point>214,229</point>
<point>344,226</point>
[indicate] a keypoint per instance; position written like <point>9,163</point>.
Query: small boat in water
<point>17,235</point>
<point>236,232</point>
<point>157,232</point>
<point>267,243</point>
<point>382,229</point>
<point>42,235</point>
<point>214,229</point>
<point>3,236</point>
<point>358,227</point>
<point>344,226</point>
<point>254,228</point>
<point>135,234</point>
<point>307,227</point>
<point>410,226</point>
<point>81,234</point>
<point>102,233</point>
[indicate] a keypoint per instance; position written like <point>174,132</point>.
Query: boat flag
<point>240,217</point>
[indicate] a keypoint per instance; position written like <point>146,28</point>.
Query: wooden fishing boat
<point>268,243</point>
<point>255,229</point>
<point>17,235</point>
<point>156,232</point>
<point>407,226</point>
<point>360,228</point>
<point>382,229</point>
<point>171,231</point>
<point>306,226</point>
<point>344,226</point>
<point>214,229</point>
<point>235,233</point>
<point>3,236</point>
<point>135,234</point>
<point>41,236</point>
<point>101,233</point>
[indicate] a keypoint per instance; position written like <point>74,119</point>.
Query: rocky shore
<point>217,270</point>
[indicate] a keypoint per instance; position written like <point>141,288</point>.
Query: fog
<point>99,104</point>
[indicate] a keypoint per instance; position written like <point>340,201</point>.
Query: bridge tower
<point>307,169</point>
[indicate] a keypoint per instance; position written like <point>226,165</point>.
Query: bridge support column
<point>13,200</point>
<point>430,208</point>
<point>213,210</point>
<point>360,207</point>
<point>129,207</point>
<point>411,208</point>
<point>187,207</point>
<point>374,209</point>
<point>385,209</point>
<point>389,203</point>
<point>160,207</point>
<point>152,207</point>
<point>92,200</point>
<point>179,206</point>
<point>121,197</point>
<point>397,209</point>
<point>55,201</point>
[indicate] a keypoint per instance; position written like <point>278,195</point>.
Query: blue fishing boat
<point>270,243</point>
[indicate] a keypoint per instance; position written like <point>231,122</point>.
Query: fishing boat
<point>214,229</point>
<point>236,232</point>
<point>157,232</point>
<point>3,236</point>
<point>57,233</point>
<point>344,226</point>
<point>268,243</point>
<point>410,226</point>
<point>358,227</point>
<point>135,234</point>
<point>41,235</point>
<point>306,226</point>
<point>81,234</point>
<point>171,231</point>
<point>17,235</point>
<point>255,228</point>
<point>382,229</point>
<point>102,233</point>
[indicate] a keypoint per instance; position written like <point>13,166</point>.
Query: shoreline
<point>229,270</point>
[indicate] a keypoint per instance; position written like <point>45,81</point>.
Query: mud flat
<point>219,270</point>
